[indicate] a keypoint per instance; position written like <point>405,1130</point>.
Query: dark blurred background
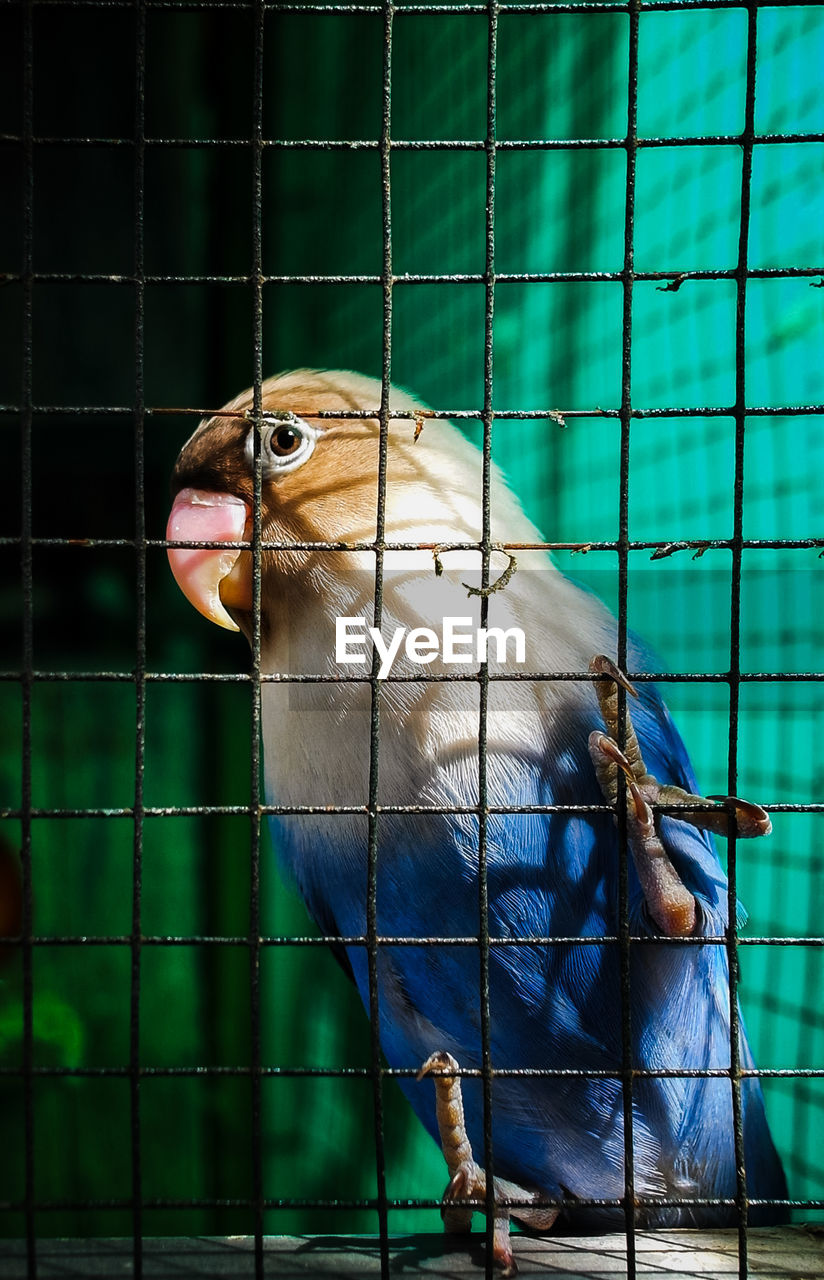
<point>558,345</point>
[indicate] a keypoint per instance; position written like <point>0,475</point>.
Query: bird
<point>503,793</point>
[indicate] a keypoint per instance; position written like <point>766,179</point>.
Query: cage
<point>588,233</point>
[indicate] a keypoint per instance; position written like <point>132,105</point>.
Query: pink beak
<point>200,516</point>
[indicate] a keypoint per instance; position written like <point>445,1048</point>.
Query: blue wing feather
<point>555,1006</point>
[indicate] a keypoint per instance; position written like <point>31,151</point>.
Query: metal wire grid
<point>139,412</point>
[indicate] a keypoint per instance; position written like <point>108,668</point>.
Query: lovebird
<point>579,772</point>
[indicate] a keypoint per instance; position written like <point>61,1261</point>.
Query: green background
<point>556,345</point>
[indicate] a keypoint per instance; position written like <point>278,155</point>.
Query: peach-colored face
<point>319,484</point>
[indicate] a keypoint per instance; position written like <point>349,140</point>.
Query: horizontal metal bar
<point>422,278</point>
<point>391,1202</point>
<point>661,549</point>
<point>391,940</point>
<point>407,1073</point>
<point>243,677</point>
<point>556,415</point>
<point>418,144</point>
<point>334,810</point>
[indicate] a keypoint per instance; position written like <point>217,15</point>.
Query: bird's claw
<point>463,1185</point>
<point>609,747</point>
<point>670,902</point>
<point>467,1181</point>
<point>601,665</point>
<point>749,818</point>
<point>439,1063</point>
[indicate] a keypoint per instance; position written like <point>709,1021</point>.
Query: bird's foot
<point>670,902</point>
<point>467,1180</point>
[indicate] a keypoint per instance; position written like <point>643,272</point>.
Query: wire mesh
<point>504,298</point>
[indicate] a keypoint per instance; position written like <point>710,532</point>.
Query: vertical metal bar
<point>27,637</point>
<point>735,629</point>
<point>255,710</point>
<point>483,710</point>
<point>140,654</point>
<point>375,708</point>
<point>623,585</point>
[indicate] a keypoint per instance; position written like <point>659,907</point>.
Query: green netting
<point>557,345</point>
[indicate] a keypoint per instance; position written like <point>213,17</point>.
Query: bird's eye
<point>285,443</point>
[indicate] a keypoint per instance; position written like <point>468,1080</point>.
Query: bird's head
<point>319,484</point>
